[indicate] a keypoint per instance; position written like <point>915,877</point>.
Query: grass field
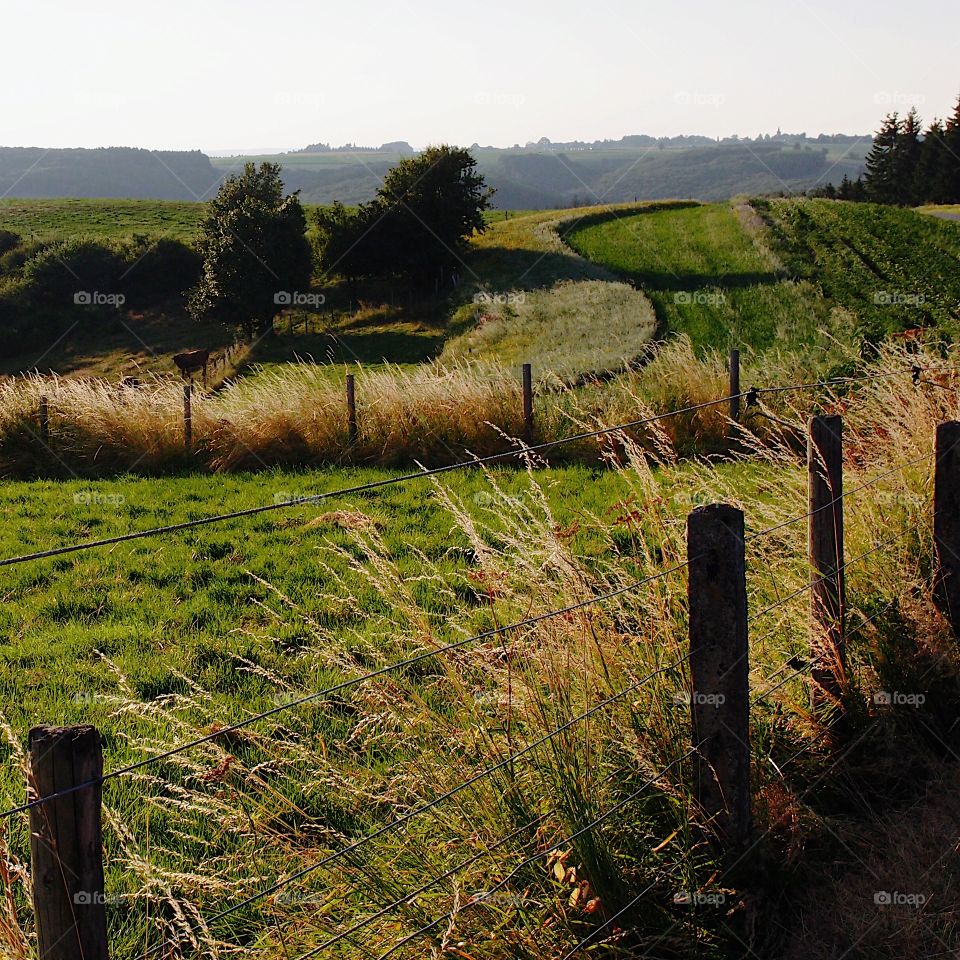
<point>100,219</point>
<point>165,640</point>
<point>892,268</point>
<point>708,277</point>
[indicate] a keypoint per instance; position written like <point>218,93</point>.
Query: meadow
<point>167,639</point>
<point>527,788</point>
<point>893,269</point>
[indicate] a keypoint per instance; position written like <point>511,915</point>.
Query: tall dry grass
<point>434,414</point>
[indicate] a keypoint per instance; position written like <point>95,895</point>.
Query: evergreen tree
<point>880,181</point>
<point>907,159</point>
<point>950,170</point>
<point>930,177</point>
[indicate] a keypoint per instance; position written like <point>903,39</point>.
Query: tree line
<point>255,253</point>
<point>907,165</point>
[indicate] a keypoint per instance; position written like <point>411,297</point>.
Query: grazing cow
<point>192,360</point>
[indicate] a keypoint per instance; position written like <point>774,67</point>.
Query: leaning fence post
<point>528,404</point>
<point>946,523</point>
<point>735,385</point>
<point>827,580</point>
<point>719,671</point>
<point>187,417</point>
<point>44,420</point>
<point>351,408</point>
<point>66,849</point>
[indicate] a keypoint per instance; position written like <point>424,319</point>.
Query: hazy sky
<point>216,75</point>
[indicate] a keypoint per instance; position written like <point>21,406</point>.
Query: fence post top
<point>717,513</point>
<point>832,420</point>
<point>46,732</point>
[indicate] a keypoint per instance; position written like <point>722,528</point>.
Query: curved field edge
<point>711,274</point>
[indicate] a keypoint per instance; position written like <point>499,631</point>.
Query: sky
<point>244,76</point>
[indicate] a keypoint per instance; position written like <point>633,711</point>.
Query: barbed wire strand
<point>347,684</point>
<point>426,807</point>
<point>358,488</point>
<point>530,860</point>
<point>452,871</point>
<point>521,451</point>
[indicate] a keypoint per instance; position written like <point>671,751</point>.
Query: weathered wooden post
<point>44,420</point>
<point>827,580</point>
<point>719,671</point>
<point>66,849</point>
<point>351,409</point>
<point>187,417</point>
<point>734,386</point>
<point>946,523</point>
<point>528,404</point>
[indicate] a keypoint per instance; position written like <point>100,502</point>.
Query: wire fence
<point>814,515</point>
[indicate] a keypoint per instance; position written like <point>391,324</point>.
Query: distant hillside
<point>107,172</point>
<point>540,175</point>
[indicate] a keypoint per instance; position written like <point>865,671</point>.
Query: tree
<point>255,251</point>
<point>907,159</point>
<point>950,171</point>
<point>930,176</point>
<point>418,224</point>
<point>880,179</point>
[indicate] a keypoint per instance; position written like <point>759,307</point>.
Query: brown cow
<point>192,360</point>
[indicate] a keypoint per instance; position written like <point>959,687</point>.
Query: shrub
<point>73,272</point>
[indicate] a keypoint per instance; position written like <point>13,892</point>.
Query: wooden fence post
<point>351,409</point>
<point>187,417</point>
<point>735,386</point>
<point>528,404</point>
<point>44,420</point>
<point>66,849</point>
<point>946,523</point>
<point>719,671</point>
<point>827,580</point>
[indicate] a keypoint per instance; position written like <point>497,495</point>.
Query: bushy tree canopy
<point>254,248</point>
<point>419,222</point>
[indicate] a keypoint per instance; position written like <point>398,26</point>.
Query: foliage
<point>417,226</point>
<point>254,250</point>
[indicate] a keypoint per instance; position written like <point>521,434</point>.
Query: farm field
<point>892,268</point>
<point>100,219</point>
<point>422,805</point>
<point>709,278</point>
<point>110,219</point>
